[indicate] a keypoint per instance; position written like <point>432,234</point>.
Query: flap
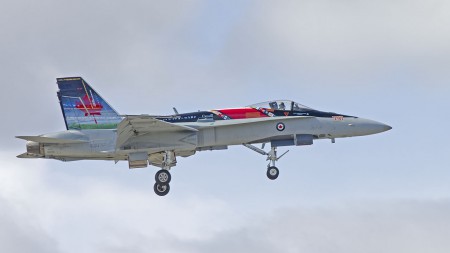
<point>49,140</point>
<point>132,126</point>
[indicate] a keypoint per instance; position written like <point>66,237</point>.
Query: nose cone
<point>367,126</point>
<point>386,128</point>
<point>380,127</point>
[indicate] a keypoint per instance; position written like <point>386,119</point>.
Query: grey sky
<point>384,60</point>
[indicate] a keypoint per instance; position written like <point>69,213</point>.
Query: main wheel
<point>272,172</point>
<point>161,190</point>
<point>163,177</point>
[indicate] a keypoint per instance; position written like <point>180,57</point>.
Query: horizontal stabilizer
<point>49,140</point>
<point>26,155</point>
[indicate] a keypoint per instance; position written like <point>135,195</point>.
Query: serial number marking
<point>338,118</point>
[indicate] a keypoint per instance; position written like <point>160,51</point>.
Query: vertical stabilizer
<point>83,107</point>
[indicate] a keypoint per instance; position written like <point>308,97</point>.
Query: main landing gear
<point>272,171</point>
<point>163,177</point>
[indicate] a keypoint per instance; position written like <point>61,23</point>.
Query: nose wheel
<point>273,172</point>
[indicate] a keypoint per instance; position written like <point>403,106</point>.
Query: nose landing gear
<point>272,171</point>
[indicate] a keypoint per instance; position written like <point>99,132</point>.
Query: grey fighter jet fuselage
<point>96,132</point>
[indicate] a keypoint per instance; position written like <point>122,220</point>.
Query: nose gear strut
<point>272,157</point>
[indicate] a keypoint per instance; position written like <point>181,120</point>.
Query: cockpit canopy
<point>284,105</point>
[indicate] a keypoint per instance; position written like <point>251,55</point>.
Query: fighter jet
<point>95,131</point>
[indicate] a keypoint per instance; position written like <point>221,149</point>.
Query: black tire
<point>163,177</point>
<point>272,172</point>
<point>161,190</point>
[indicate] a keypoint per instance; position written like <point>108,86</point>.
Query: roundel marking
<point>280,126</point>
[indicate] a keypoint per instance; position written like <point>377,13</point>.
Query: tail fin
<point>83,107</point>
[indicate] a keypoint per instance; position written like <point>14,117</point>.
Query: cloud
<point>20,233</point>
<point>374,227</point>
<point>110,215</point>
<point>50,39</point>
<point>147,56</point>
<point>403,226</point>
<point>83,214</point>
<point>20,229</point>
<point>340,44</point>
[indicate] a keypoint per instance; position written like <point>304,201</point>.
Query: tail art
<point>83,107</point>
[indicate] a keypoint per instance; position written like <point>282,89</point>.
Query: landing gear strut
<point>272,171</point>
<point>163,177</point>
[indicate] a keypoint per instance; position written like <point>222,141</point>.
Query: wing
<point>133,126</point>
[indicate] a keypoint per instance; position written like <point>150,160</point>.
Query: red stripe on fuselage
<point>242,113</point>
